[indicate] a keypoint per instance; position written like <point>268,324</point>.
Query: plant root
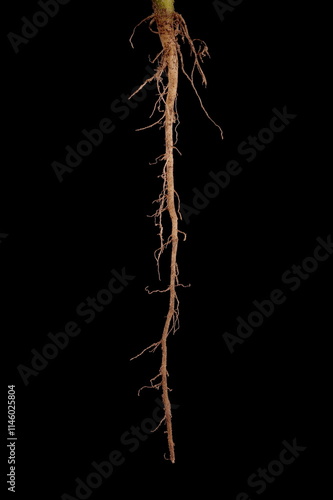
<point>171,27</point>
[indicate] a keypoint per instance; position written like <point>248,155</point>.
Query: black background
<point>64,238</point>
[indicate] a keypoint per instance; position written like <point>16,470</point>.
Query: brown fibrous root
<point>171,27</point>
